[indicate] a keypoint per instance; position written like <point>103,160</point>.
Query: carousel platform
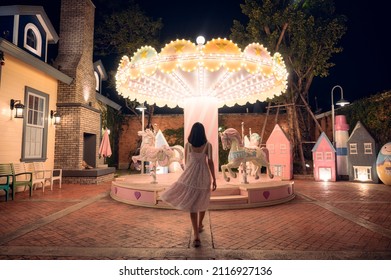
<point>139,190</point>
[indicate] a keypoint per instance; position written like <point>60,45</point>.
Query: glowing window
<point>362,173</point>
<point>97,81</point>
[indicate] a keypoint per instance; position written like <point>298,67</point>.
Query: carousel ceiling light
<point>175,67</point>
<point>201,78</point>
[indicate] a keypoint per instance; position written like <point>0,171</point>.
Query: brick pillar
<point>76,102</point>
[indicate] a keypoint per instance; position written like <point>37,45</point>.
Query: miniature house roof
<point>33,10</point>
<point>278,130</point>
<point>323,137</point>
<point>360,133</point>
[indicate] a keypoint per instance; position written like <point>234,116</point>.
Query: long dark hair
<point>197,135</point>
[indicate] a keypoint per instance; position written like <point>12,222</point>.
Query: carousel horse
<point>240,155</point>
<point>253,142</point>
<point>164,155</point>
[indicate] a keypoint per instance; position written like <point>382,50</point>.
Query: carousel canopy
<point>217,69</point>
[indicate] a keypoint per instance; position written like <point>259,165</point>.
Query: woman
<point>192,190</point>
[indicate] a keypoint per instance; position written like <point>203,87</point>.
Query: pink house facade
<point>280,154</point>
<point>323,154</point>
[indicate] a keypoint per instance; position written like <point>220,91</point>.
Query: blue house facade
<point>28,28</point>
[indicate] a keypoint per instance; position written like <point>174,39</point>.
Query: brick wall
<point>75,121</point>
<point>128,139</point>
<point>88,180</point>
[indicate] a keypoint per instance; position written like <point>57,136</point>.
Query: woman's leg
<point>194,222</point>
<point>200,220</point>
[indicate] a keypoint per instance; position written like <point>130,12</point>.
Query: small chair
<point>21,177</point>
<point>38,175</point>
<point>56,175</point>
<point>5,175</point>
<point>50,175</point>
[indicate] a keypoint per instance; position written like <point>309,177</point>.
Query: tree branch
<point>281,35</point>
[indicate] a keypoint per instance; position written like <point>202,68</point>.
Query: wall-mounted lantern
<point>56,116</point>
<point>19,108</point>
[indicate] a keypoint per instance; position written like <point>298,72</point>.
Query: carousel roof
<point>218,69</point>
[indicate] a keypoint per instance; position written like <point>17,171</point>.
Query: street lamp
<point>142,108</point>
<point>342,102</point>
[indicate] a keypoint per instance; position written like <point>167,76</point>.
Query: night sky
<point>362,69</point>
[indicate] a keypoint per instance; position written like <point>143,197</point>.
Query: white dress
<point>192,190</point>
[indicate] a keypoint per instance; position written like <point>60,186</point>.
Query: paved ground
<point>341,220</point>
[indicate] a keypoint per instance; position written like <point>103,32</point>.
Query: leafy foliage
<point>307,34</point>
<point>125,29</point>
<point>174,136</point>
<point>374,113</point>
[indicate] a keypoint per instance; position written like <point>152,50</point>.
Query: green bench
<point>5,178</point>
<point>21,177</point>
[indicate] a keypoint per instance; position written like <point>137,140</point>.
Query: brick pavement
<point>335,220</point>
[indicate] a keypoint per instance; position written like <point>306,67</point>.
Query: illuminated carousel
<point>201,78</point>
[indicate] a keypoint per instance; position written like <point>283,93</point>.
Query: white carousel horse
<point>239,155</point>
<point>253,142</point>
<point>164,155</point>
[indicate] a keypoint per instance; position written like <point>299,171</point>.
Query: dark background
<point>362,69</point>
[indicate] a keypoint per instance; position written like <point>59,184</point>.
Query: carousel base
<point>139,190</point>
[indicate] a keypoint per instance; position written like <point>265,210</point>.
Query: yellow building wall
<point>15,76</point>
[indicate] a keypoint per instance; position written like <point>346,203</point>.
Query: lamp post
<point>342,102</point>
<point>142,108</point>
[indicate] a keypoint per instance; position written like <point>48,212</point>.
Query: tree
<point>121,27</point>
<point>306,33</point>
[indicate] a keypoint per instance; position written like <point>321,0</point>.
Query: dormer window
<point>32,39</point>
<point>97,81</point>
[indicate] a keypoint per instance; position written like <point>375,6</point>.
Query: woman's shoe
<point>196,243</point>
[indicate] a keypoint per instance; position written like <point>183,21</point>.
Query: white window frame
<point>368,148</point>
<point>35,126</point>
<point>328,155</point>
<point>38,36</point>
<point>362,173</point>
<point>271,149</point>
<point>278,170</point>
<point>318,156</point>
<point>97,81</point>
<point>353,148</point>
<point>283,149</point>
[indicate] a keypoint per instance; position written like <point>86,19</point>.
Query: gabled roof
<point>360,131</point>
<point>276,128</point>
<point>322,137</point>
<point>32,10</point>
